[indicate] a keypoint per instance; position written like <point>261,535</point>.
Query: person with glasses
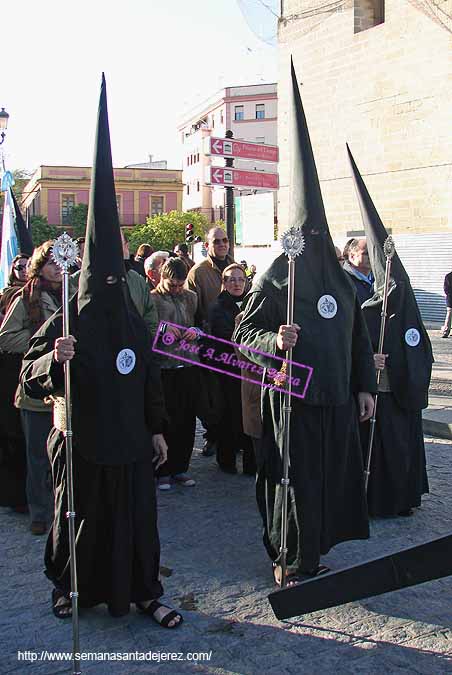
<point>17,280</point>
<point>222,314</point>
<point>38,300</point>
<point>205,280</point>
<point>177,305</point>
<point>205,277</point>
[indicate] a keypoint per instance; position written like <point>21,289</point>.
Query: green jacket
<point>15,334</point>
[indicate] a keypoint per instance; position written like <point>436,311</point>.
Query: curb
<point>437,429</point>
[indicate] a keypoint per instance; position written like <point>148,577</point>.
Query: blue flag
<point>10,246</point>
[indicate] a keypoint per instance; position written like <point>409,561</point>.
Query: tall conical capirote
<point>305,198</point>
<point>113,344</point>
<point>103,272</point>
<point>23,233</point>
<point>376,233</point>
<point>406,340</point>
<point>325,302</point>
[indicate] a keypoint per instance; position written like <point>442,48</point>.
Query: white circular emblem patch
<point>125,361</point>
<point>412,337</point>
<point>327,306</point>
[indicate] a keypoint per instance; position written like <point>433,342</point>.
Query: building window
<point>156,206</point>
<point>239,113</point>
<point>197,157</point>
<point>368,13</point>
<point>197,186</point>
<point>221,116</point>
<point>67,204</point>
<point>260,111</point>
<point>260,139</point>
<point>118,203</point>
<point>213,122</point>
<point>188,189</point>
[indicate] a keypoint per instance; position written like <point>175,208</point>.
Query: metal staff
<point>388,250</point>
<point>293,245</point>
<point>64,253</point>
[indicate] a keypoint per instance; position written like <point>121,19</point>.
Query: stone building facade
<point>378,75</point>
<point>384,85</point>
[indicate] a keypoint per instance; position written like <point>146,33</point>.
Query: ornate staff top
<point>292,241</point>
<point>64,251</point>
<point>389,247</point>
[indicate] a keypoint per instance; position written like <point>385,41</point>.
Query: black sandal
<point>59,609</point>
<point>317,571</point>
<point>298,578</point>
<point>151,609</point>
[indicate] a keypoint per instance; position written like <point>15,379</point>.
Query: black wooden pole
<point>229,162</point>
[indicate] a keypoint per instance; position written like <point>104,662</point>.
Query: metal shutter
<point>427,259</point>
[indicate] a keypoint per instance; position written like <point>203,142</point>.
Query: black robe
<point>327,501</point>
<point>398,476</point>
<point>116,518</point>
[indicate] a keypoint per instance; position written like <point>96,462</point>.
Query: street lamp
<point>4,117</point>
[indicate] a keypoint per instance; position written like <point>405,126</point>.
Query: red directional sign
<point>223,175</point>
<point>228,147</point>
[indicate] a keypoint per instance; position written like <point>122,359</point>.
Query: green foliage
<point>77,220</point>
<point>167,229</point>
<point>41,230</point>
<point>21,178</point>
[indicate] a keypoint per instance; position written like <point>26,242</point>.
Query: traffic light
<point>189,238</point>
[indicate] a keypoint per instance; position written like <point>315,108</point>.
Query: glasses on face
<point>235,280</point>
<point>19,268</point>
<point>220,241</point>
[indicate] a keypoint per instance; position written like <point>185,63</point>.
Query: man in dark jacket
<point>445,330</point>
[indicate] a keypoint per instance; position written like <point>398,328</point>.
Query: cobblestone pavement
<point>219,572</point>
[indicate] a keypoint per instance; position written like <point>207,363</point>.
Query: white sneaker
<point>164,483</point>
<point>184,479</point>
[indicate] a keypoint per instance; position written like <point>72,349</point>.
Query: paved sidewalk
<point>219,572</point>
<point>437,418</point>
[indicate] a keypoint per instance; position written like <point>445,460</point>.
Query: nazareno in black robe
<point>398,475</point>
<point>116,519</point>
<point>327,502</point>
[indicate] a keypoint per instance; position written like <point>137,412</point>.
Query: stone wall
<point>387,91</point>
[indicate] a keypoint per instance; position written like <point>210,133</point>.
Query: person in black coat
<point>445,329</point>
<point>222,315</point>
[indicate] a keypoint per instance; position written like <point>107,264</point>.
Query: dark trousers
<point>37,426</point>
<point>231,438</point>
<point>179,388</point>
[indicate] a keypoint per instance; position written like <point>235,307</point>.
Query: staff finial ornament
<point>292,241</point>
<point>389,247</point>
<point>65,251</point>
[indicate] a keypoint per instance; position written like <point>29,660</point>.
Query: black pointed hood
<point>406,340</point>
<point>23,233</point>
<point>113,344</point>
<point>103,267</point>
<point>376,233</point>
<point>325,299</point>
<point>306,204</point>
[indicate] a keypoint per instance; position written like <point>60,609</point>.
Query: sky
<point>160,57</point>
